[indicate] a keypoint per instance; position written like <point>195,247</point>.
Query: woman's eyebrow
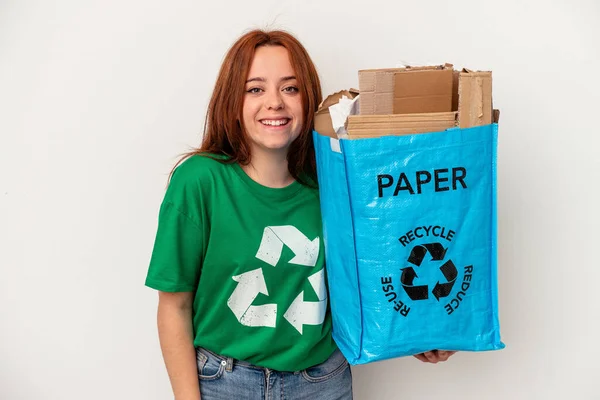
<point>259,79</point>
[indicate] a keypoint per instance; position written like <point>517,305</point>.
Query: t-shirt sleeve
<point>178,252</point>
<point>176,259</point>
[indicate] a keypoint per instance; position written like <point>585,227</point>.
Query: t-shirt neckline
<point>265,191</point>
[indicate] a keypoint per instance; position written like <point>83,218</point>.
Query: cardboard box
<point>322,121</point>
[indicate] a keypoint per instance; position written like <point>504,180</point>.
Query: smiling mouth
<point>275,122</point>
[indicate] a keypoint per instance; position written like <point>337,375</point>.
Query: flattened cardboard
<point>474,98</point>
<point>322,120</point>
<point>423,91</point>
<point>377,88</point>
<point>455,76</point>
<point>467,101</point>
<point>377,91</point>
<point>360,126</point>
<point>335,98</point>
<point>401,118</point>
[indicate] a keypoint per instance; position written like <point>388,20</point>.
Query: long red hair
<point>223,130</point>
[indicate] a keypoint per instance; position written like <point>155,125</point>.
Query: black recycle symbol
<point>417,255</point>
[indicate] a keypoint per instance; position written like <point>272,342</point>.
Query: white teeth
<point>274,122</point>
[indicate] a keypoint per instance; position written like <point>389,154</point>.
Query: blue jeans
<point>223,378</point>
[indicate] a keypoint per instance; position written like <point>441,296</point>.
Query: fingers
<point>431,356</point>
<point>427,357</point>
<point>434,356</point>
<point>444,355</point>
<point>421,357</point>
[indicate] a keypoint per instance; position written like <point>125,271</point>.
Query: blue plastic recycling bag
<point>410,241</point>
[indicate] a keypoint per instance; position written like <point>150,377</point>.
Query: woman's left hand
<point>434,356</point>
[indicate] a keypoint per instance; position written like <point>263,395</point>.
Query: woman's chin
<point>275,145</point>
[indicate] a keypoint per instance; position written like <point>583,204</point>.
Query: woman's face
<point>272,110</point>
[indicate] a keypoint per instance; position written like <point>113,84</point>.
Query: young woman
<point>238,258</point>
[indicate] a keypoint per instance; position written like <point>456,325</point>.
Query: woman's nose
<point>274,101</point>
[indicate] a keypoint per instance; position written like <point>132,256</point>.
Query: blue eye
<point>291,89</point>
<point>254,90</point>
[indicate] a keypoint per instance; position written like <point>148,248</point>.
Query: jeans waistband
<point>230,361</point>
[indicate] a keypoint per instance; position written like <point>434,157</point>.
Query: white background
<point>97,99</point>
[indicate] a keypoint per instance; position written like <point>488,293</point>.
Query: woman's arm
<point>177,344</point>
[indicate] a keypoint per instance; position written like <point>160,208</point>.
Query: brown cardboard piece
<point>380,95</point>
<point>423,91</point>
<point>455,78</point>
<point>475,98</point>
<point>376,88</point>
<point>464,96</point>
<point>359,126</point>
<point>322,121</point>
<point>496,118</point>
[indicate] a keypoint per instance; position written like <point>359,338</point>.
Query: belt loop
<point>229,365</point>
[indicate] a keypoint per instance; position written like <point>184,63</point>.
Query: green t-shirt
<point>254,257</point>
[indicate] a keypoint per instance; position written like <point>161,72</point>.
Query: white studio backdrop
<point>98,98</point>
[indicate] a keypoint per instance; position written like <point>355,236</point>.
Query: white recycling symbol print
<point>302,312</point>
<point>252,283</point>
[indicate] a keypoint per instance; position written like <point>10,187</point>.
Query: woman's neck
<point>269,169</point>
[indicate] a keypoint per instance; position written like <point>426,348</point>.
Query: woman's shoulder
<point>203,161</point>
<point>200,165</point>
<point>197,173</point>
